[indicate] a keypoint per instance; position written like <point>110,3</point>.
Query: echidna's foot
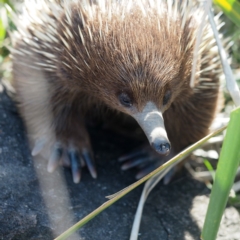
<point>143,158</point>
<point>146,160</point>
<point>69,155</point>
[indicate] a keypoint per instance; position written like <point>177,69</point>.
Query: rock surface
<point>37,205</point>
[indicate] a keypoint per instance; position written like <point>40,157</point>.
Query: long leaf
<point>231,8</point>
<point>225,174</point>
<point>2,30</point>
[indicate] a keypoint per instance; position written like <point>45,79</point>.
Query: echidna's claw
<point>169,176</point>
<point>136,162</point>
<point>38,146</point>
<point>152,164</point>
<point>89,160</point>
<point>75,165</point>
<point>146,170</point>
<point>134,154</point>
<point>55,158</point>
<point>73,156</point>
<point>146,160</point>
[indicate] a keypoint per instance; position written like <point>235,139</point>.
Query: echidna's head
<point>145,92</point>
<point>135,63</point>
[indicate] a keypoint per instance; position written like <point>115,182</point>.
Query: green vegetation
<point>225,175</point>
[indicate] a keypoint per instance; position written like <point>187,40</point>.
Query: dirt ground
<point>37,205</point>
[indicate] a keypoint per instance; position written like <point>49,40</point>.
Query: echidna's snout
<point>161,145</point>
<point>152,123</point>
<point>158,136</point>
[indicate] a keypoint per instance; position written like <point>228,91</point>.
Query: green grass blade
<point>225,174</point>
<point>122,193</point>
<point>2,30</point>
<point>231,8</point>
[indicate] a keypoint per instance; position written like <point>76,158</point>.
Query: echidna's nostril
<point>162,147</point>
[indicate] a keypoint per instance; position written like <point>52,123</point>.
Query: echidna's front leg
<point>72,145</point>
<point>74,151</point>
<point>54,121</point>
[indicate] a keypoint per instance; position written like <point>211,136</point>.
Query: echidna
<point>70,57</point>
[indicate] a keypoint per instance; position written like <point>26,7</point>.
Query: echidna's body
<point>130,56</point>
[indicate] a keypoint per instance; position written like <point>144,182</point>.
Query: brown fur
<point>142,55</point>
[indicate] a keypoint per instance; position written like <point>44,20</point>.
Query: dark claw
<point>134,154</point>
<point>38,147</point>
<point>54,158</point>
<point>90,163</point>
<point>134,163</point>
<point>146,170</point>
<point>169,176</point>
<point>146,160</point>
<point>75,165</point>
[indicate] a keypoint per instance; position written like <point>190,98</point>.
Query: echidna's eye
<point>125,100</point>
<point>166,97</point>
